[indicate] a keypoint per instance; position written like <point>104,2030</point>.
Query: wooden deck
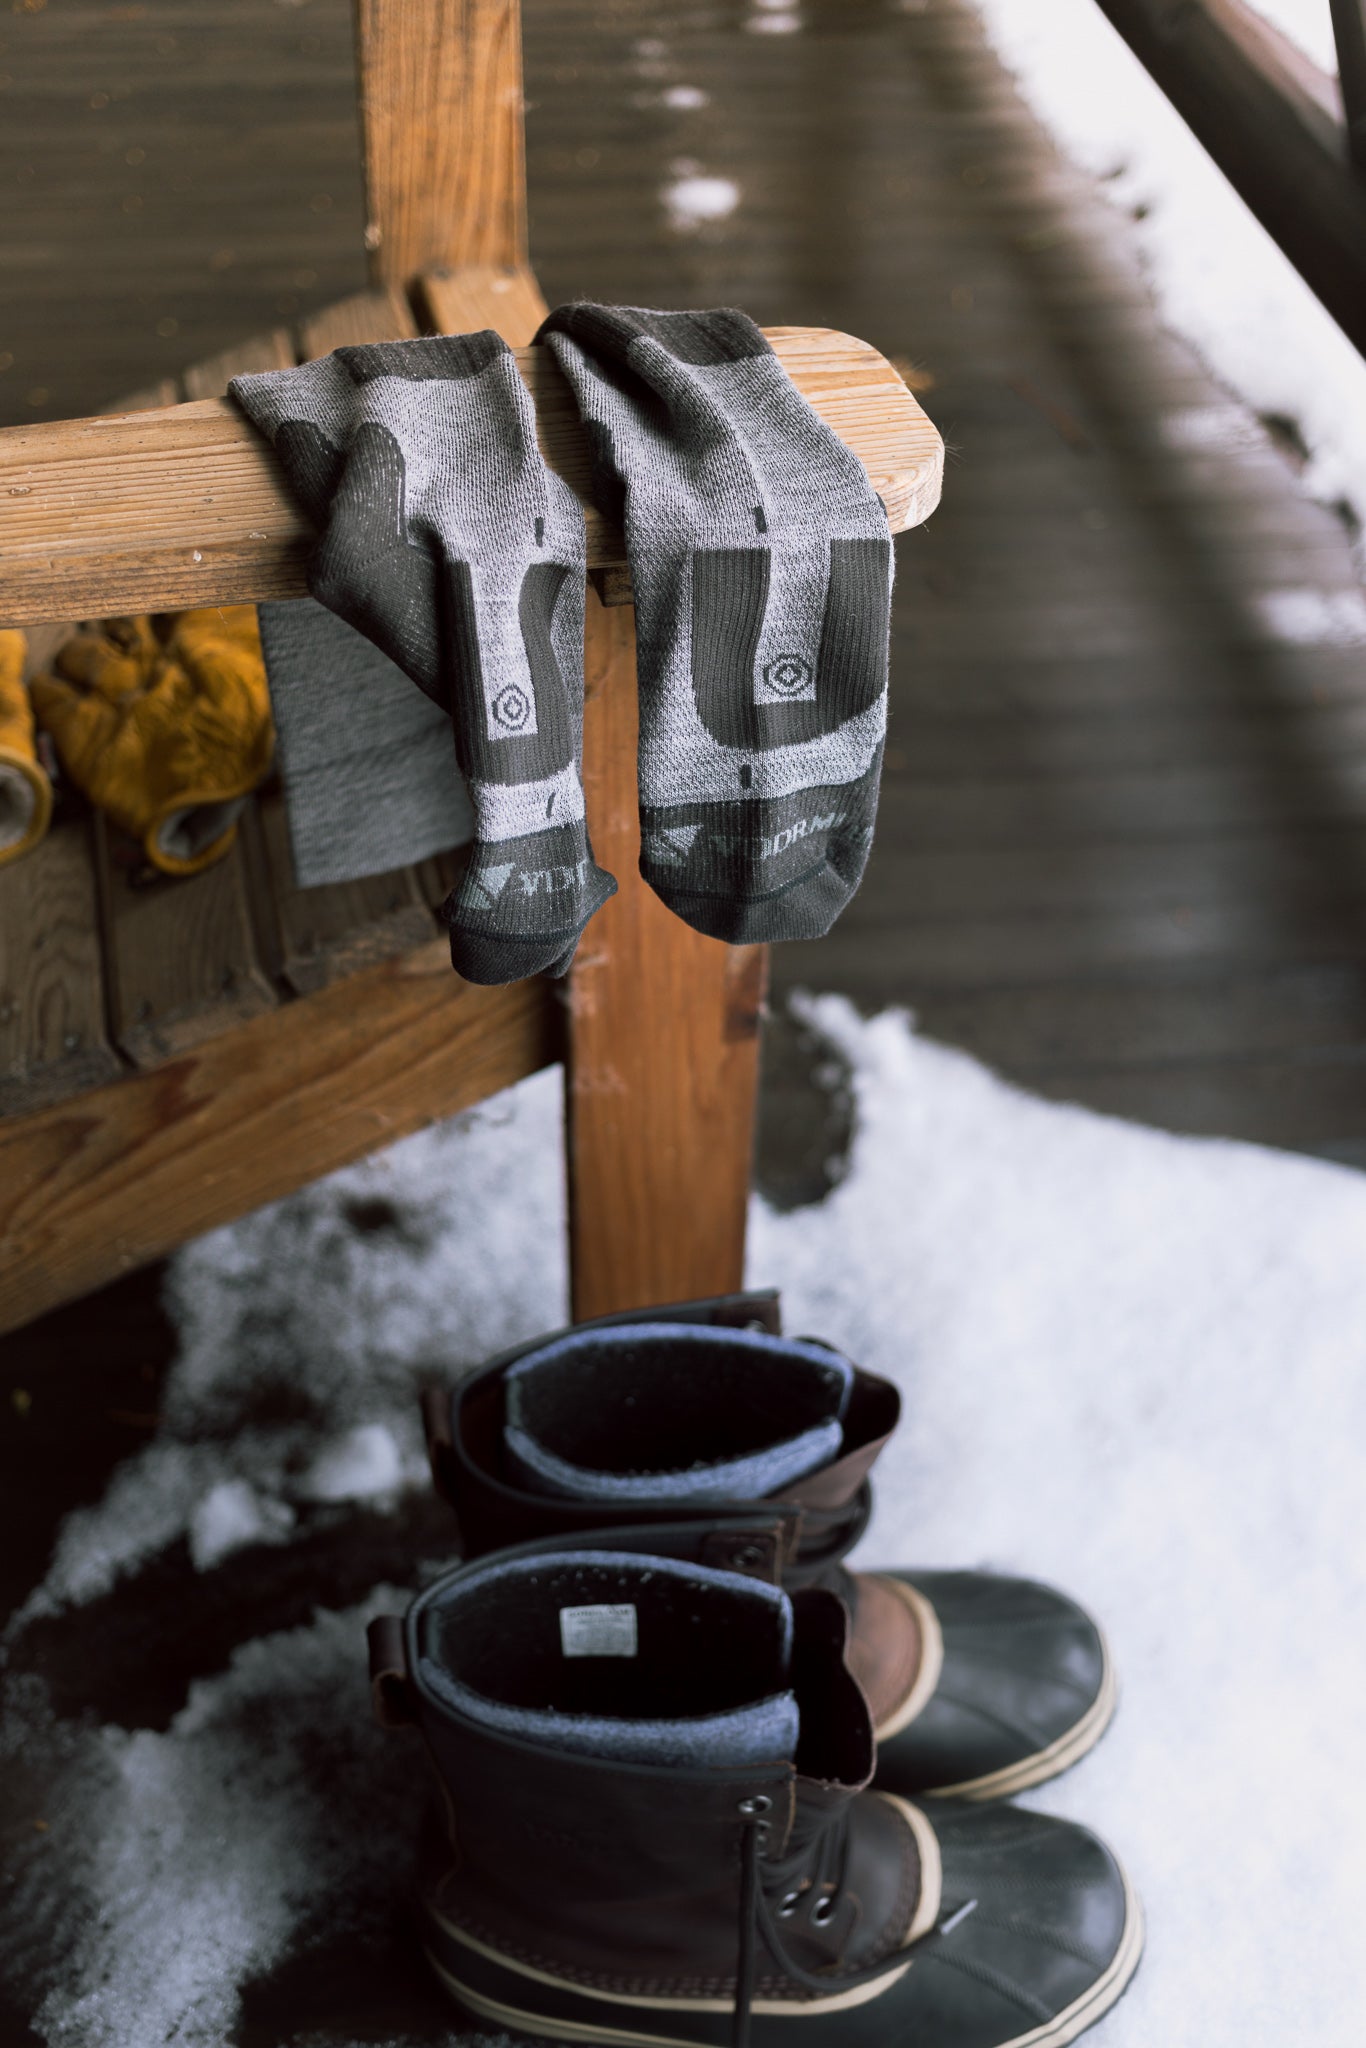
<point>1124,820</point>
<point>1122,853</point>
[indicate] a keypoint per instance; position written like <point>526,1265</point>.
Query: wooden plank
<point>163,510</point>
<point>210,379</point>
<point>180,950</point>
<point>330,932</point>
<point>1265,115</point>
<point>441,123</point>
<point>1313,1104</point>
<point>1349,38</point>
<point>662,1052</point>
<point>464,301</point>
<point>181,958</point>
<point>93,1187</point>
<point>383,315</point>
<point>1195,1013</point>
<point>324,934</point>
<point>52,1027</point>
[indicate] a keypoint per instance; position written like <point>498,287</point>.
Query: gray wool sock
<point>447,541</point>
<point>368,768</point>
<point>762,567</point>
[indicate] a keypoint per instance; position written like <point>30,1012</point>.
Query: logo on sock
<point>788,673</point>
<point>673,844</point>
<point>512,707</point>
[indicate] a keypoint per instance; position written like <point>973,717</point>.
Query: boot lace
<point>813,1869</point>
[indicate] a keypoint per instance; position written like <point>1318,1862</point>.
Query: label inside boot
<point>598,1631</point>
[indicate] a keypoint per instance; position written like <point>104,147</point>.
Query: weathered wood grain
<point>181,958</point>
<point>156,511</point>
<point>663,1044</point>
<point>94,1186</point>
<point>441,123</point>
<point>482,295</point>
<point>180,951</point>
<point>328,933</point>
<point>381,315</point>
<point>52,1026</point>
<point>211,378</point>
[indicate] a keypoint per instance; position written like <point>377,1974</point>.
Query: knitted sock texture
<point>446,540</point>
<point>370,778</point>
<point>762,568</point>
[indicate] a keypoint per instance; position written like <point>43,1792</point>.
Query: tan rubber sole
<point>1069,1748</point>
<point>1064,2027</point>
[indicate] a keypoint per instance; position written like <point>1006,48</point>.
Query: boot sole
<point>1059,1756</point>
<point>500,1977</point>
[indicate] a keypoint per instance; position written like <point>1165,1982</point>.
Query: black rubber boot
<point>657,1826</point>
<point>979,1685</point>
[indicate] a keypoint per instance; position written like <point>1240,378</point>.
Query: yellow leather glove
<point>168,735</point>
<point>25,792</point>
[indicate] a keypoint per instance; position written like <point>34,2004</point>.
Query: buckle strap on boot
<point>391,1692</point>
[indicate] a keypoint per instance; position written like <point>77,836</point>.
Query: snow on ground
<point>1132,1363</point>
<point>1220,279</point>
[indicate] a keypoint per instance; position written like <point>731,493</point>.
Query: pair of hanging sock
<point>762,569</point>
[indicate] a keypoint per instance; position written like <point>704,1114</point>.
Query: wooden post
<point>1268,117</point>
<point>1349,38</point>
<point>441,118</point>
<point>663,1048</point>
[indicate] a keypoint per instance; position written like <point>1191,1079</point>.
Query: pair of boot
<point>678,1743</point>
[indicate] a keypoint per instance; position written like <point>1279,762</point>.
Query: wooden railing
<point>1289,138</point>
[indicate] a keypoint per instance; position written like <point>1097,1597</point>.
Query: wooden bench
<point>174,1053</point>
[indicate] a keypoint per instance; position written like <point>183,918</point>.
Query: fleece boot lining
<point>659,1662</point>
<point>668,1411</point>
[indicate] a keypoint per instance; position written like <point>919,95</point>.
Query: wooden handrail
<point>1271,121</point>
<point>153,511</point>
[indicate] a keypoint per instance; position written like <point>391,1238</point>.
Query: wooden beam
<point>441,122</point>
<point>482,295</point>
<point>663,1051</point>
<point>155,511</point>
<point>1267,117</point>
<point>1349,38</point>
<point>106,1180</point>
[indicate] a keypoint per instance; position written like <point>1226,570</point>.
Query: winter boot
<point>657,1830</point>
<point>979,1685</point>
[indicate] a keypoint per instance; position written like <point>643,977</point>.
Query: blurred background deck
<point>1124,820</point>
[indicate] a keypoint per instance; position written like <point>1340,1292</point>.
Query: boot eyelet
<point>823,1912</point>
<point>748,1555</point>
<point>759,1803</point>
<point>789,1905</point>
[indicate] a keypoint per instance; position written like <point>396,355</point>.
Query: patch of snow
<point>176,1867</point>
<point>1131,1363</point>
<point>1315,618</point>
<point>1219,278</point>
<point>692,198</point>
<point>231,1515</point>
<point>364,1464</point>
<point>1309,23</point>
<point>772,18</point>
<point>332,1307</point>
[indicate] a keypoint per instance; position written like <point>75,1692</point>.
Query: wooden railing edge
<point>185,506</point>
<point>1268,117</point>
